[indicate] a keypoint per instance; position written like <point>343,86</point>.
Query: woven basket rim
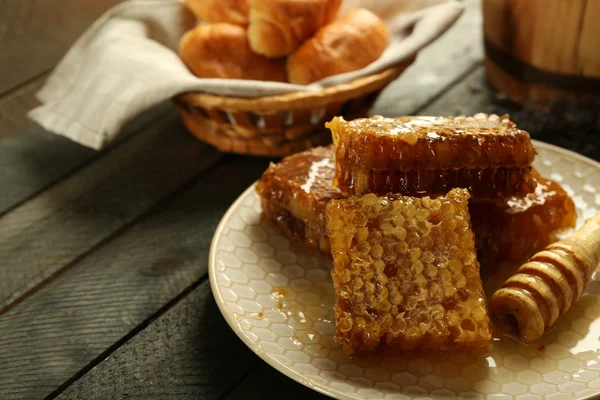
<point>341,92</point>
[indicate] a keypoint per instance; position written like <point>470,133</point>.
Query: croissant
<point>221,51</point>
<point>230,11</point>
<point>278,27</point>
<point>546,286</point>
<point>345,45</point>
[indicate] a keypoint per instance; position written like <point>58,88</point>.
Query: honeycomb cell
<point>254,271</point>
<point>447,370</point>
<point>474,372</point>
<point>260,286</point>
<point>246,255</point>
<point>416,392</point>
<point>543,388</point>
<point>528,396</point>
<point>397,305</point>
<point>325,364</point>
<point>285,257</point>
<point>377,374</point>
<point>572,387</point>
<point>293,271</point>
<point>543,365</point>
<point>351,370</point>
<point>570,365</point>
<point>431,382</point>
<point>294,193</point>
<point>517,228</point>
<point>556,377</point>
<point>459,385</point>
<point>514,388</point>
<point>516,362</point>
<point>243,291</point>
<point>309,299</point>
<point>404,379</point>
<point>387,387</point>
<point>529,377</point>
<point>275,349</point>
<point>240,239</point>
<point>556,351</point>
<point>585,375</point>
<point>501,375</point>
<point>431,155</point>
<point>486,387</point>
<point>369,393</point>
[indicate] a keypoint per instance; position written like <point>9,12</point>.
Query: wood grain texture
<point>52,230</point>
<point>443,63</point>
<point>14,107</point>
<point>34,35</point>
<point>72,320</point>
<point>185,354</point>
<point>32,159</point>
<point>265,382</point>
<point>130,364</point>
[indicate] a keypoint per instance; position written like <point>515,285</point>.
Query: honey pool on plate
<point>279,300</point>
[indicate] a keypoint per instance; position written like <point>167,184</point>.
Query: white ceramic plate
<point>278,299</point>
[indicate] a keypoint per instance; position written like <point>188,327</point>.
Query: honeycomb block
<point>516,229</point>
<point>294,194</point>
<point>405,274</point>
<point>488,155</point>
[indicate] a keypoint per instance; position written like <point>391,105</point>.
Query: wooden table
<point>104,289</point>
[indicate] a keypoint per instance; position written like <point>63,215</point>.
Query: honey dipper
<point>547,285</point>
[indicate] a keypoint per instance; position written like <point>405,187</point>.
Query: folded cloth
<point>127,62</point>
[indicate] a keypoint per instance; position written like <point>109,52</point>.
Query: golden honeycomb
<point>486,154</point>
<point>405,274</point>
<point>515,229</point>
<point>294,193</point>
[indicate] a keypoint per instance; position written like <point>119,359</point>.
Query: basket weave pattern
<point>279,125</point>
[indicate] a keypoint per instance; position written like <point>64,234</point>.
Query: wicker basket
<point>279,125</point>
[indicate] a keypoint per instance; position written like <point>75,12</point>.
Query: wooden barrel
<point>543,50</point>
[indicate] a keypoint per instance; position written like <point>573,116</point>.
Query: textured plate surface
<point>278,299</point>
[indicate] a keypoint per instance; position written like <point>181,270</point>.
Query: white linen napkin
<point>126,62</point>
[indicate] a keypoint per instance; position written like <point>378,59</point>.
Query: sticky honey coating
<point>406,275</point>
<point>312,231</point>
<point>544,288</point>
<point>486,154</point>
<point>515,229</point>
<point>294,193</point>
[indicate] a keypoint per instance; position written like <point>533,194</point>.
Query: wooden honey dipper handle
<point>547,285</point>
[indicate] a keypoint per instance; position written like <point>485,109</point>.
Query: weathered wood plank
<point>191,344</point>
<point>65,222</point>
<point>77,316</point>
<point>14,106</point>
<point>441,64</point>
<point>267,383</point>
<point>396,100</point>
<point>573,127</point>
<point>34,35</point>
<point>31,158</point>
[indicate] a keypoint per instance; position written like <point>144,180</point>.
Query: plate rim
<point>284,369</point>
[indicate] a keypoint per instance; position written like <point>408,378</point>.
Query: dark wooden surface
<point>104,289</point>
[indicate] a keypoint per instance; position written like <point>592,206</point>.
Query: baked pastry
<point>347,44</point>
<point>517,228</point>
<point>419,156</point>
<point>231,11</point>
<point>405,274</point>
<point>278,27</point>
<point>294,194</point>
<point>544,288</point>
<point>221,51</point>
